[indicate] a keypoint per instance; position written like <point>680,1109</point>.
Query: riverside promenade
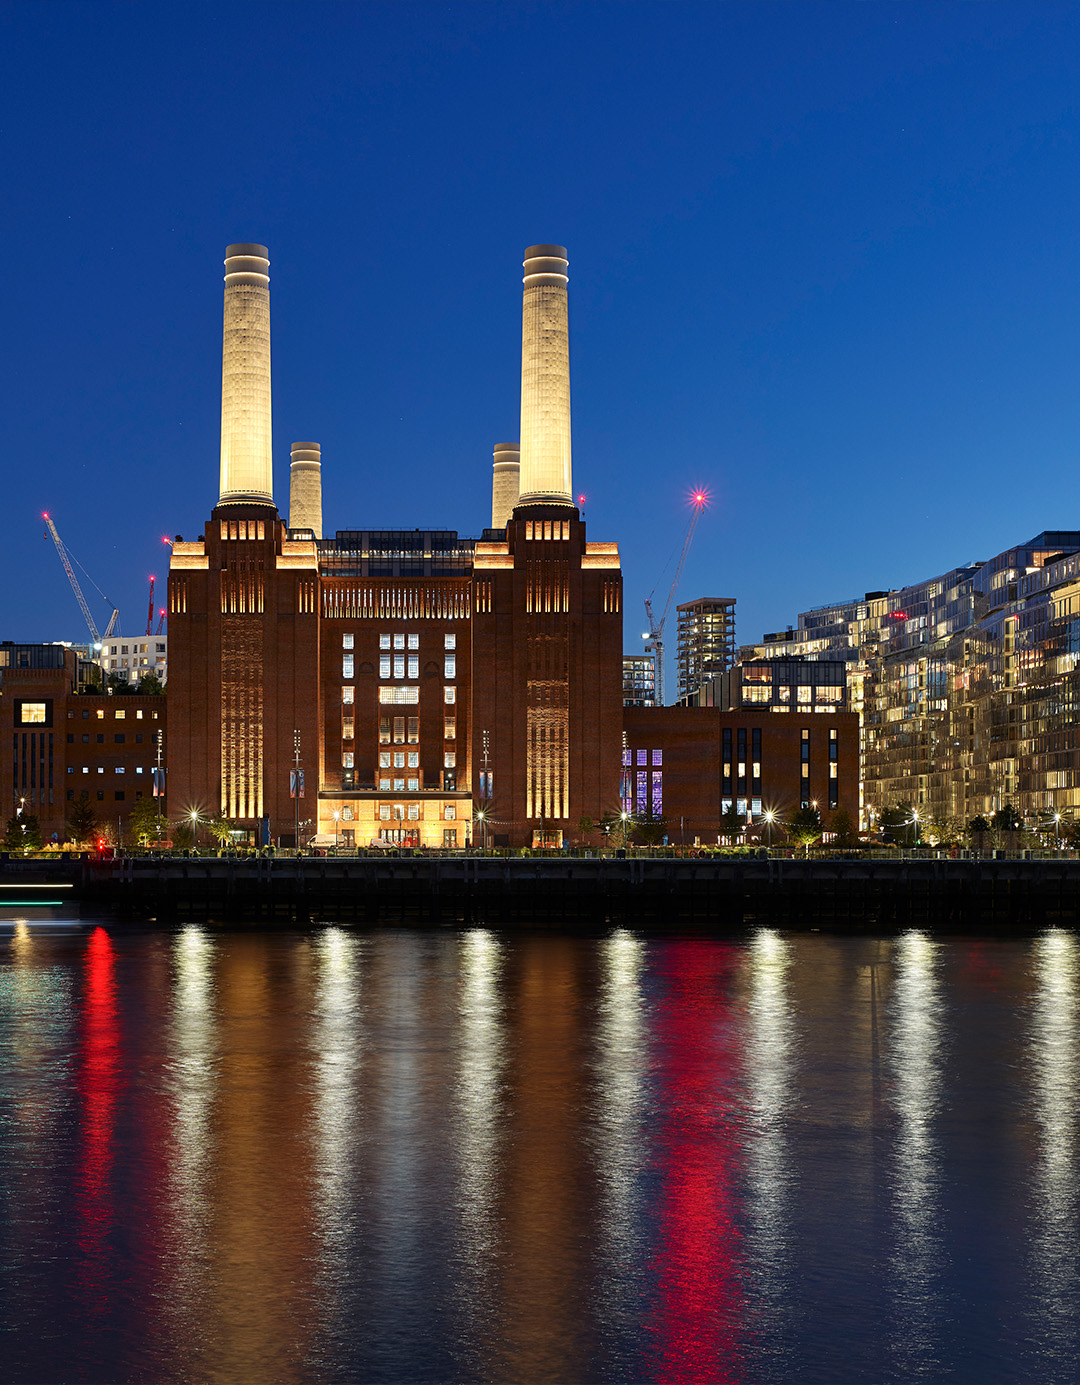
<point>719,892</point>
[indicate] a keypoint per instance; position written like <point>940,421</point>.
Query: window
<point>449,641</point>
<point>414,641</point>
<point>384,812</point>
<point>384,759</point>
<point>643,757</point>
<point>86,740</point>
<point>399,665</point>
<point>449,812</point>
<point>384,665</point>
<point>413,785</point>
<point>32,714</point>
<point>101,740</point>
<point>384,730</point>
<point>119,716</point>
<point>414,812</point>
<point>346,666</point>
<point>138,740</point>
<point>384,784</point>
<point>449,695</point>
<point>101,795</point>
<point>449,759</point>
<point>399,785</point>
<point>346,728</point>
<point>414,730</point>
<point>347,696</point>
<point>399,641</point>
<point>658,757</point>
<point>399,759</point>
<point>71,739</point>
<point>119,795</point>
<point>119,769</point>
<point>391,694</point>
<point>346,815</point>
<point>449,728</point>
<point>347,642</point>
<point>71,769</point>
<point>348,760</point>
<point>138,769</point>
<point>414,759</point>
<point>414,666</point>
<point>399,730</point>
<point>450,666</point>
<point>119,739</point>
<point>449,838</point>
<point>384,641</point>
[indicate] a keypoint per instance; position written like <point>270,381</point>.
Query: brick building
<point>691,765</point>
<point>61,742</point>
<point>418,679</point>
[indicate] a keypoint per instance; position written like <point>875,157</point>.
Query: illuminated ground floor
<point>436,821</point>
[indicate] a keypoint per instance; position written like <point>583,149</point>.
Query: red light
<point>581,500</point>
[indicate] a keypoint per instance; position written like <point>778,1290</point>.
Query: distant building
<point>639,680</point>
<point>968,683</point>
<point>129,658</point>
<point>56,742</point>
<point>706,642</point>
<point>782,685</point>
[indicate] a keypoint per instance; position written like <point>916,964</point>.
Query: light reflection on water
<point>480,1156</point>
<point>916,1043</point>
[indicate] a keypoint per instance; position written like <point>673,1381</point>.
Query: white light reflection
<point>1056,1057</point>
<point>916,1043</point>
<point>622,1069</point>
<point>193,1045</point>
<point>336,1041</point>
<point>480,1077</point>
<point>770,1042</point>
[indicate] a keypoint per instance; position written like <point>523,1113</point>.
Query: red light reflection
<point>97,1089</point>
<point>695,1325</point>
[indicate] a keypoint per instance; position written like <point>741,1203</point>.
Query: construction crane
<point>654,638</point>
<point>161,622</point>
<point>150,609</point>
<point>65,558</point>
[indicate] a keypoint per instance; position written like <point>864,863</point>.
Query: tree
<point>651,828</point>
<point>23,830</point>
<point>143,820</point>
<point>82,819</point>
<point>150,685</point>
<point>586,827</point>
<point>804,828</point>
<point>842,826</point>
<point>182,834</point>
<point>732,823</point>
<point>220,828</point>
<point>897,824</point>
<point>1007,819</point>
<point>978,829</point>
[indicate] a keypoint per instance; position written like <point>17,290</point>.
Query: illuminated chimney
<point>504,483</point>
<point>305,487</point>
<point>246,470</point>
<point>545,380</point>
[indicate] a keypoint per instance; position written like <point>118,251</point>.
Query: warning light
<point>699,496</point>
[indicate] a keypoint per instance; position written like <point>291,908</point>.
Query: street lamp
<point>769,818</point>
<point>1057,831</point>
<point>194,830</point>
<point>915,823</point>
<point>624,818</point>
<point>337,819</point>
<point>483,829</point>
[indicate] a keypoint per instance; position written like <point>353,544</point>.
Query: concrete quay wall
<point>654,892</point>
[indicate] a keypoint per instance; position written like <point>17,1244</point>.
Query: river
<point>387,1155</point>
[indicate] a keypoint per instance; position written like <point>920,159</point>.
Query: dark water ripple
<point>404,1156</point>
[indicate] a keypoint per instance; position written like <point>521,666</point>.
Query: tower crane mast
<point>654,640</point>
<point>65,558</point>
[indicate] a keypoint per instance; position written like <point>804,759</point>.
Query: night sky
<point>823,262</point>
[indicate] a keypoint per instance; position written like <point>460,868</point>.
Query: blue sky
<point>823,258</point>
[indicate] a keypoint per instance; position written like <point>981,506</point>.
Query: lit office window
<point>347,641</point>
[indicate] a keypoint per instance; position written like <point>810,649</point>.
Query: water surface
<point>340,1155</point>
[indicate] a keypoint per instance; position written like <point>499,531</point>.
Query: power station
<point>406,683</point>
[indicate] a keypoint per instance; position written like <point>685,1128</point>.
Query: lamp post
<point>483,828</point>
<point>337,819</point>
<point>624,818</point>
<point>194,830</point>
<point>769,817</point>
<point>1057,831</point>
<point>915,823</point>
